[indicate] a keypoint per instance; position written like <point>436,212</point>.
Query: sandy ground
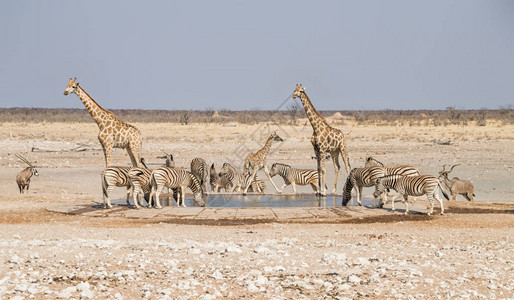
<point>467,253</point>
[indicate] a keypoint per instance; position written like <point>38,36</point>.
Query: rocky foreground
<point>451,256</point>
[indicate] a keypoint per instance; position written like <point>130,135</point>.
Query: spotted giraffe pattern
<point>113,132</point>
<point>257,161</point>
<point>325,139</point>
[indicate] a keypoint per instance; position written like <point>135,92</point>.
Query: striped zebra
<point>114,176</point>
<point>359,178</point>
<point>412,186</point>
<point>404,170</point>
<point>235,178</point>
<point>293,176</point>
<point>256,186</point>
<point>199,169</point>
<point>175,179</point>
<point>217,181</point>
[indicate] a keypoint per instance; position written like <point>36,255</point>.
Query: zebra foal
<point>175,179</point>
<point>412,186</point>
<point>236,180</point>
<point>217,181</point>
<point>359,178</point>
<point>293,176</point>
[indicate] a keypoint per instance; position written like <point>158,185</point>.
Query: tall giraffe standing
<point>325,138</point>
<point>256,161</point>
<point>113,132</point>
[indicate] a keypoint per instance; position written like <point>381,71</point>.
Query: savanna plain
<point>464,254</point>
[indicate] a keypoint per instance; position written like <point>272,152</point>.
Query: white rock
<point>118,296</point>
<point>331,258</point>
<point>261,249</point>
<point>194,251</point>
<point>68,292</point>
<point>217,275</point>
<point>261,280</point>
<point>233,249</point>
<point>362,261</point>
<point>15,259</point>
<point>88,294</point>
<point>252,288</point>
<point>353,279</point>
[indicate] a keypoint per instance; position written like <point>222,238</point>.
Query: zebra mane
<point>281,164</point>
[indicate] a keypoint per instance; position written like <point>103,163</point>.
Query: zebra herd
<point>150,184</point>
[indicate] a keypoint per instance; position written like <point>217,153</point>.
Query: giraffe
<point>256,161</point>
<point>325,138</point>
<point>113,132</point>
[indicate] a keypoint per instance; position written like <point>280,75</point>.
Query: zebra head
<point>72,87</point>
<point>379,187</point>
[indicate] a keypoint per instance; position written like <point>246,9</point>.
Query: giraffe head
<point>298,91</point>
<point>275,137</point>
<point>72,86</point>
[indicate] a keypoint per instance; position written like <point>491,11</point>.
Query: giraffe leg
<point>270,179</point>
<point>344,154</point>
<point>107,148</point>
<point>134,154</point>
<point>337,167</point>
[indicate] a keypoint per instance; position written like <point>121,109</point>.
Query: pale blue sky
<point>250,54</point>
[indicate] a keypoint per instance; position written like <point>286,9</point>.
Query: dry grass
<point>450,116</point>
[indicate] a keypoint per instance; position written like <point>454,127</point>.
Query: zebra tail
<point>443,190</point>
<point>104,185</point>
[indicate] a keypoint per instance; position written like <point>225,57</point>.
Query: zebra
<point>23,178</point>
<point>412,186</point>
<point>359,178</point>
<point>115,176</point>
<point>139,178</point>
<point>404,170</point>
<point>218,181</point>
<point>236,179</point>
<point>199,169</point>
<point>173,178</point>
<point>256,186</point>
<point>293,176</point>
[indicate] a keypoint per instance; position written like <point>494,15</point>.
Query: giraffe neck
<point>314,117</point>
<point>265,150</point>
<point>95,110</point>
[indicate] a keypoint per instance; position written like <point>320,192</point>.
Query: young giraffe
<point>113,132</point>
<point>325,138</point>
<point>256,161</point>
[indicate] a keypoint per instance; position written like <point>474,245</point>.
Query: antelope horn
<point>444,167</point>
<point>453,167</point>
<point>23,159</point>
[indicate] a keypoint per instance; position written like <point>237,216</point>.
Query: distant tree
<point>294,110</point>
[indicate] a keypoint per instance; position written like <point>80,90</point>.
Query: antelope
<point>456,185</point>
<point>23,178</point>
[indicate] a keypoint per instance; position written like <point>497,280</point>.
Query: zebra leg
<point>315,188</point>
<point>109,190</point>
<point>157,194</point>
<point>252,177</point>
<point>293,184</point>
<point>183,192</point>
<point>128,194</point>
<point>337,167</point>
<point>322,175</point>
<point>406,201</point>
<point>392,203</point>
<point>383,200</point>
<point>436,196</point>
<point>431,201</point>
<point>359,193</point>
<point>282,188</point>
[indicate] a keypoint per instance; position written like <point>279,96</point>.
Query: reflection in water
<point>237,200</point>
